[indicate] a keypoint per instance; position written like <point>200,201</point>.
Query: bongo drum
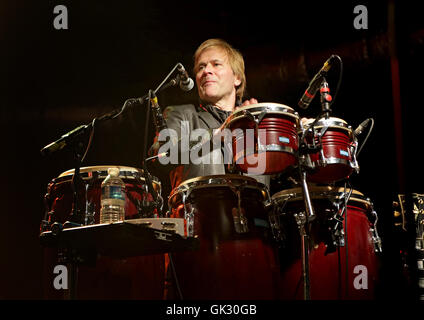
<point>336,158</point>
<point>271,152</point>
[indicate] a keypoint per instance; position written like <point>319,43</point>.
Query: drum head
<point>210,186</point>
<point>100,172</point>
<point>257,109</point>
<point>332,122</point>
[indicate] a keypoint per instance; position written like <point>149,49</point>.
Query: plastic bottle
<point>112,203</point>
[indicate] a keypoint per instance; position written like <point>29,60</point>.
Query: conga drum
<point>265,139</point>
<point>101,277</point>
<point>236,258</point>
<point>343,255</point>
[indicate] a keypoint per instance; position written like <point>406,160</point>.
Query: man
<point>221,82</point>
<point>220,78</point>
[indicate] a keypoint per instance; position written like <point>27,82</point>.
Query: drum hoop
<point>256,109</point>
<point>295,194</point>
<point>333,123</point>
<point>333,160</point>
<point>124,172</point>
<point>215,181</point>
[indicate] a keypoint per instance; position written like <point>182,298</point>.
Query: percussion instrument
<point>59,197</point>
<point>236,259</point>
<point>102,277</point>
<point>343,246</point>
<point>335,158</point>
<point>267,153</point>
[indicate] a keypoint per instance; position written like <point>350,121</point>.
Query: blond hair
<point>235,59</point>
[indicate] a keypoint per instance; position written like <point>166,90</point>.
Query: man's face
<point>216,82</point>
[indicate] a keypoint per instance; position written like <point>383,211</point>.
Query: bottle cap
<point>114,172</point>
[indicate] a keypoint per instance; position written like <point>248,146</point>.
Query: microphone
<point>62,141</point>
<point>361,127</point>
<point>314,85</point>
<point>186,83</point>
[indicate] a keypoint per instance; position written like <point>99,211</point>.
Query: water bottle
<point>112,203</point>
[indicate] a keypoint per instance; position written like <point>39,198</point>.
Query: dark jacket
<point>197,118</point>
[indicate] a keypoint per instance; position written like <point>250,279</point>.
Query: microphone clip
<point>325,97</point>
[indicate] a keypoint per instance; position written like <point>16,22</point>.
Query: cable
<point>90,140</point>
<point>366,138</point>
<point>128,101</point>
<point>146,126</point>
<point>340,79</point>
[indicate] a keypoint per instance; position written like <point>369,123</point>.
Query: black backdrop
<point>55,80</point>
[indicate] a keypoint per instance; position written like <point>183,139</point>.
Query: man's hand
<point>248,102</point>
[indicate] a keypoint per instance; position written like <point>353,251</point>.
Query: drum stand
<point>303,219</point>
<point>77,182</point>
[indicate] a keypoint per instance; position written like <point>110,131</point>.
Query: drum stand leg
<point>73,281</point>
<point>302,221</point>
<point>68,257</point>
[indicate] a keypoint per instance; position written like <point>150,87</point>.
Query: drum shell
<point>228,265</point>
<point>329,278</point>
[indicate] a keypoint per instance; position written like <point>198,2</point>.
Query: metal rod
<point>305,267</point>
<point>310,215</point>
<point>304,233</point>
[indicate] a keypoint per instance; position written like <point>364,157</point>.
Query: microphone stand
<point>76,182</point>
<point>70,138</point>
<point>303,219</point>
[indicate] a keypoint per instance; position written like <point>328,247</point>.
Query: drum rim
<point>218,176</point>
<point>96,168</point>
<point>263,104</point>
<point>202,181</point>
<point>273,105</point>
<point>319,192</point>
<point>332,122</point>
<point>68,174</point>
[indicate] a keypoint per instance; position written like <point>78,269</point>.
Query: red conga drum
<point>102,277</point>
<point>271,152</point>
<point>336,158</point>
<point>343,262</point>
<point>59,197</point>
<point>236,258</point>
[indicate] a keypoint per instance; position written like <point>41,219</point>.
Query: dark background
<point>52,81</point>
